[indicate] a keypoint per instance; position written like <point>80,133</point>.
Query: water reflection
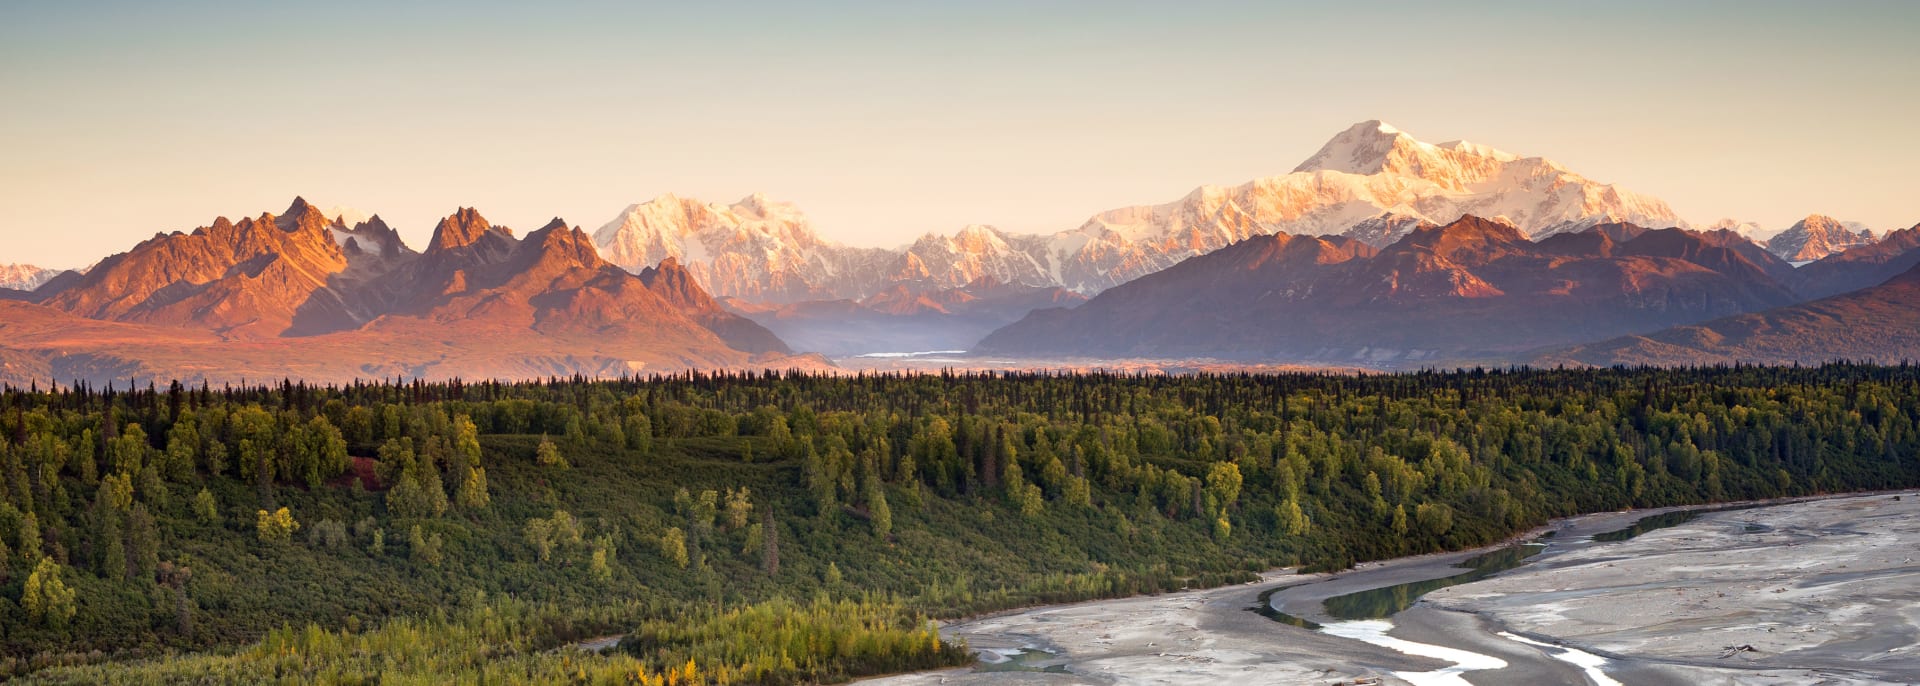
<point>1383,602</point>
<point>1265,609</point>
<point>1664,520</point>
<point>1646,524</point>
<point>1380,603</point>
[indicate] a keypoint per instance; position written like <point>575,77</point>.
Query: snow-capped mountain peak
<point>1374,147</point>
<point>758,204</point>
<point>24,277</point>
<point>979,238</point>
<point>1363,148</point>
<point>1372,179</point>
<point>756,249</point>
<point>1818,236</point>
<point>1478,150</point>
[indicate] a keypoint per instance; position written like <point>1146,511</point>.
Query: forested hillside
<point>777,529</point>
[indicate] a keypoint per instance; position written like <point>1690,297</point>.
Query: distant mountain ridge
<point>1876,324</point>
<point>1371,179</point>
<point>903,319</point>
<point>1861,266</point>
<point>754,248</point>
<point>24,277</point>
<point>1472,289</point>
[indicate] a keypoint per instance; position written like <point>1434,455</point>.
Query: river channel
<point>1821,591</point>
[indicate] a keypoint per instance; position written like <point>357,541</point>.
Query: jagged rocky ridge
<point>299,294</point>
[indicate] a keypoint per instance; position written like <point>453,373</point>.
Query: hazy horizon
<point>884,122</point>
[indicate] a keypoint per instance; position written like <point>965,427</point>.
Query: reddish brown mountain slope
<point>242,280</point>
<point>676,286</point>
<point>1861,266</point>
<point>1470,289</point>
<point>1875,324</point>
<point>300,296</point>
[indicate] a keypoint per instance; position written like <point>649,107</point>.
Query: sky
<point>887,120</point>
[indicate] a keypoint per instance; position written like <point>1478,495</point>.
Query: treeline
<point>139,522</point>
<point>492,641</point>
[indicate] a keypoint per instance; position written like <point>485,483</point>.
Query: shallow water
<point>1374,631</point>
<point>1365,613</point>
<point>1265,609</point>
<point>1588,663</point>
<point>1646,524</point>
<point>1019,660</point>
<point>1664,520</point>
<point>1386,601</point>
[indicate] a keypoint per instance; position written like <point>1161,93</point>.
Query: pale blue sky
<point>885,120</point>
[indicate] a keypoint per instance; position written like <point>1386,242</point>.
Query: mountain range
<point>1475,290</point>
<point>24,277</point>
<point>1377,250</point>
<point>1371,181</point>
<point>1472,288</point>
<point>298,294</point>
